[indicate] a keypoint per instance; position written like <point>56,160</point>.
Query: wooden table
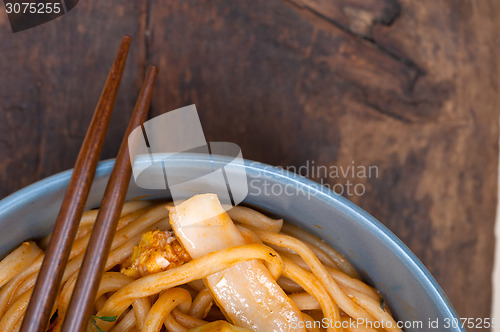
<point>410,87</point>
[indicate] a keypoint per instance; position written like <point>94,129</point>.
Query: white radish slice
<point>246,292</point>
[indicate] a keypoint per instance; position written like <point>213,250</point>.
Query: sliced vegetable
<point>218,326</point>
<point>246,292</point>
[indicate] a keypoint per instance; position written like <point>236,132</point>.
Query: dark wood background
<point>409,86</point>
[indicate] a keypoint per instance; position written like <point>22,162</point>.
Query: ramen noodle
<point>195,267</point>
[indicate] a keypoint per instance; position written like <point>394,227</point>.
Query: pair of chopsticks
<point>56,256</point>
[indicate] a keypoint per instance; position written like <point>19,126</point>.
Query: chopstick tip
<point>126,39</point>
<point>152,70</point>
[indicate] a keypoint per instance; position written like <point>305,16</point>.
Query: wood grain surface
<point>408,86</point>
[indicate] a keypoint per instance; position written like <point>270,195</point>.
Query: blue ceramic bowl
<point>409,289</point>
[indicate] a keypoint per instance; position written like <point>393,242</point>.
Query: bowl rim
<point>23,195</point>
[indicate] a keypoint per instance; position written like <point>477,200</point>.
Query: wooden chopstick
<point>89,277</point>
<point>56,256</point>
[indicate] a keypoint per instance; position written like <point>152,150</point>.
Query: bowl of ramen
<point>293,256</point>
